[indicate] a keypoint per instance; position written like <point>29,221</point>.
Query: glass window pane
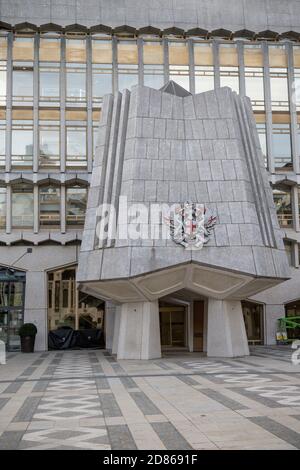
<point>178,53</point>
<point>49,205</point>
<point>180,75</point>
<point>76,84</point>
<point>282,200</point>
<point>153,52</point>
<point>2,142</point>
<point>23,48</point>
<point>204,78</point>
<point>22,142</point>
<point>49,50</point>
<point>127,76</point>
<point>49,142</point>
<point>23,83</point>
<point>2,86</point>
<point>49,84</point>
<point>127,52</point>
<point>229,76</point>
<point>101,52</point>
<point>76,147</point>
<point>203,54</point>
<point>228,55</point>
<point>253,55</point>
<point>102,82</point>
<point>2,207</point>
<point>281,141</point>
<point>154,76</point>
<point>254,81</point>
<point>22,206</point>
<point>76,205</point>
<point>277,56</point>
<point>76,50</point>
<point>3,48</point>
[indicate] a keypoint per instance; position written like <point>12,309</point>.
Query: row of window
<point>98,69</point>
<point>52,202</point>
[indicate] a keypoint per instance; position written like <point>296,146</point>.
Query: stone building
<point>57,61</point>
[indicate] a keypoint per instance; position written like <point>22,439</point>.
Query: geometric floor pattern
<point>86,399</point>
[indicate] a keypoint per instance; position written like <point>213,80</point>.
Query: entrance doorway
<point>292,309</point>
<point>198,325</point>
<point>172,326</point>
<point>12,294</point>
<point>254,321</point>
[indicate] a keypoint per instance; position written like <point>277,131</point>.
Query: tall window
<point>76,200</point>
<point>281,141</point>
<point>2,207</point>
<point>22,206</point>
<point>76,139</point>
<point>49,139</point>
<point>260,119</point>
<point>76,71</point>
<point>153,59</point>
<point>204,67</point>
<point>179,63</point>
<point>49,201</point>
<point>23,70</point>
<point>254,75</point>
<point>49,56</point>
<point>282,200</point>
<point>127,64</point>
<point>3,55</point>
<point>2,137</point>
<point>96,119</point>
<point>22,139</point>
<point>101,69</point>
<point>229,67</point>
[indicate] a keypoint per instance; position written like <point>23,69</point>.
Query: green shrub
<point>28,329</point>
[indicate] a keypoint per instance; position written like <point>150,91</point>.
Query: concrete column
<point>35,310</point>
<point>116,330</point>
<point>139,335</point>
<point>109,319</point>
<point>226,333</point>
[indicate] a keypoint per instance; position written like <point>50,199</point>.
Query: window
<point>288,246</point>
<point>23,48</point>
<point>254,321</point>
<point>22,206</point>
<point>76,200</point>
<point>296,50</point>
<point>101,69</point>
<point>22,139</point>
<point>22,84</point>
<point>76,139</point>
<point>2,207</point>
<point>76,50</point>
<point>49,84</point>
<point>261,129</point>
<point>204,67</point>
<point>153,59</point>
<point>49,138</point>
<point>76,83</point>
<point>127,64</point>
<point>281,142</point>
<point>2,83</point>
<point>49,201</point>
<point>282,200</point>
<point>254,75</point>
<point>229,70</point>
<point>278,78</point>
<point>49,50</point>
<point>96,119</point>
<point>2,138</point>
<point>179,63</point>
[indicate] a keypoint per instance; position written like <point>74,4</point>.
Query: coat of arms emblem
<point>190,224</point>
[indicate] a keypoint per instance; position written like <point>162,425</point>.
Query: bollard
<point>2,353</point>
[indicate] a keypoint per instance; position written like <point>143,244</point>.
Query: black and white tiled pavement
<point>89,400</point>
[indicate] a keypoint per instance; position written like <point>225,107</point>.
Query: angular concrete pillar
<point>110,309</point>
<point>139,334</point>
<point>226,333</point>
<point>116,330</point>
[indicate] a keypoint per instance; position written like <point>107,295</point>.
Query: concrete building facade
<point>57,62</point>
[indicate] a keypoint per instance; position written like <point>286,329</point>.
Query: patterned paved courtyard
<point>88,400</point>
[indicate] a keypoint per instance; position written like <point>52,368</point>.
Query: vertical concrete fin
<point>255,173</point>
<point>119,155</point>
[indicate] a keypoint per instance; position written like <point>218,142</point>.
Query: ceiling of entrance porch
<point>200,280</point>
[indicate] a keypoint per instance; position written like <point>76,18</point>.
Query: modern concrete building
<point>57,61</point>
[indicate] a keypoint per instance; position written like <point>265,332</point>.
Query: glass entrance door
<point>172,327</point>
<point>12,293</point>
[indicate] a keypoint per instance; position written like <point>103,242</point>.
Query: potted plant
<point>27,333</point>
